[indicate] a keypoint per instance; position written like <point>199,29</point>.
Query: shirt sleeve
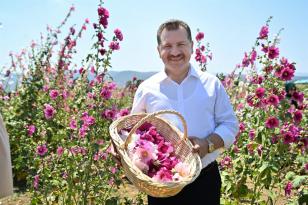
<point>225,118</point>
<point>139,104</point>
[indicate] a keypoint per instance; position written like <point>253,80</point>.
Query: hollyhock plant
<point>272,138</point>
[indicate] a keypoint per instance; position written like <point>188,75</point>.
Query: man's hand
<point>200,146</point>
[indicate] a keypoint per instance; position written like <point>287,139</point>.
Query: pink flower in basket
<point>154,156</point>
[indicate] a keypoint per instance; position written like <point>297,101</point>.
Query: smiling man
<point>201,99</point>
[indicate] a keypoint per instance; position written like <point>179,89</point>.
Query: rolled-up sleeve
<point>225,118</point>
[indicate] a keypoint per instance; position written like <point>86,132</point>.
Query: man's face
<point>175,50</point>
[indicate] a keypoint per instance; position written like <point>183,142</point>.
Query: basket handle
<point>133,130</point>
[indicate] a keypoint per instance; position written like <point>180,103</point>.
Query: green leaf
<point>290,175</point>
<point>299,180</point>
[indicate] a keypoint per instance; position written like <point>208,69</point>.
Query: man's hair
<point>171,25</point>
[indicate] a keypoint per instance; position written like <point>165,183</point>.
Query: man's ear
<point>158,51</point>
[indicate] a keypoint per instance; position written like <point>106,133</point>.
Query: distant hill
<point>121,77</point>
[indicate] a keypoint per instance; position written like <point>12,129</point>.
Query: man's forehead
<point>174,35</point>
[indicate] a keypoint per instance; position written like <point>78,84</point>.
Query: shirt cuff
<point>227,135</point>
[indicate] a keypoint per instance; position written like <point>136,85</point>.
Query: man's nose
<point>174,51</point>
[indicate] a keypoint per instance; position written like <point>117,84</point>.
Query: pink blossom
<point>163,175</point>
<point>298,116</point>
<point>251,134</point>
<point>36,181</point>
<point>286,74</point>
<point>123,112</point>
<point>226,162</point>
<point>273,100</point>
<point>298,96</point>
<point>288,189</point>
<point>144,167</point>
<point>103,12</point>
<point>41,150</point>
<point>199,36</point>
<point>288,138</point>
<point>104,22</point>
<point>118,34</point>
<point>53,94</point>
<point>49,111</point>
<point>146,151</point>
<point>109,114</point>
<point>245,61</point>
<point>260,92</point>
<point>253,56</point>
<point>105,93</point>
<point>60,151</point>
<point>242,127</point>
<point>263,32</point>
<point>272,122</point>
<point>31,130</point>
<point>73,124</point>
<point>114,45</point>
<point>273,52</point>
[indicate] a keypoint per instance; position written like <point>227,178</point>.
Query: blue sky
<point>229,26</point>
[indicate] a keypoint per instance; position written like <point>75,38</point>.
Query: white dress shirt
<point>200,98</point>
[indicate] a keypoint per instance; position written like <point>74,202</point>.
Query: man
<point>6,180</point>
<point>201,99</point>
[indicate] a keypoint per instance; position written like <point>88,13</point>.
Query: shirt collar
<point>163,76</point>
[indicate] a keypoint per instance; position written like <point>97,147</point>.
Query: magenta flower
<point>103,12</point>
<point>199,36</point>
<point>73,124</point>
<point>245,61</point>
<point>123,112</point>
<point>49,111</point>
<point>41,150</point>
<point>118,34</point>
<point>286,74</point>
<point>263,32</point>
<point>273,100</point>
<point>253,56</point>
<point>288,188</point>
<point>251,134</point>
<point>60,151</point>
<point>273,52</point>
<point>242,127</point>
<point>226,162</point>
<point>272,122</point>
<point>288,138</point>
<point>298,116</point>
<point>114,45</point>
<point>298,96</point>
<point>31,130</point>
<point>260,92</point>
<point>53,94</point>
<point>106,93</point>
<point>36,181</point>
<point>163,175</point>
<point>109,114</point>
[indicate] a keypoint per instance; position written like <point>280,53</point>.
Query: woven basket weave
<point>179,140</point>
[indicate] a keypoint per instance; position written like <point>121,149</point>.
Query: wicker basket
<point>180,141</point>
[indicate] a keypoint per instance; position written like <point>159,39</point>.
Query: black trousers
<point>204,190</point>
